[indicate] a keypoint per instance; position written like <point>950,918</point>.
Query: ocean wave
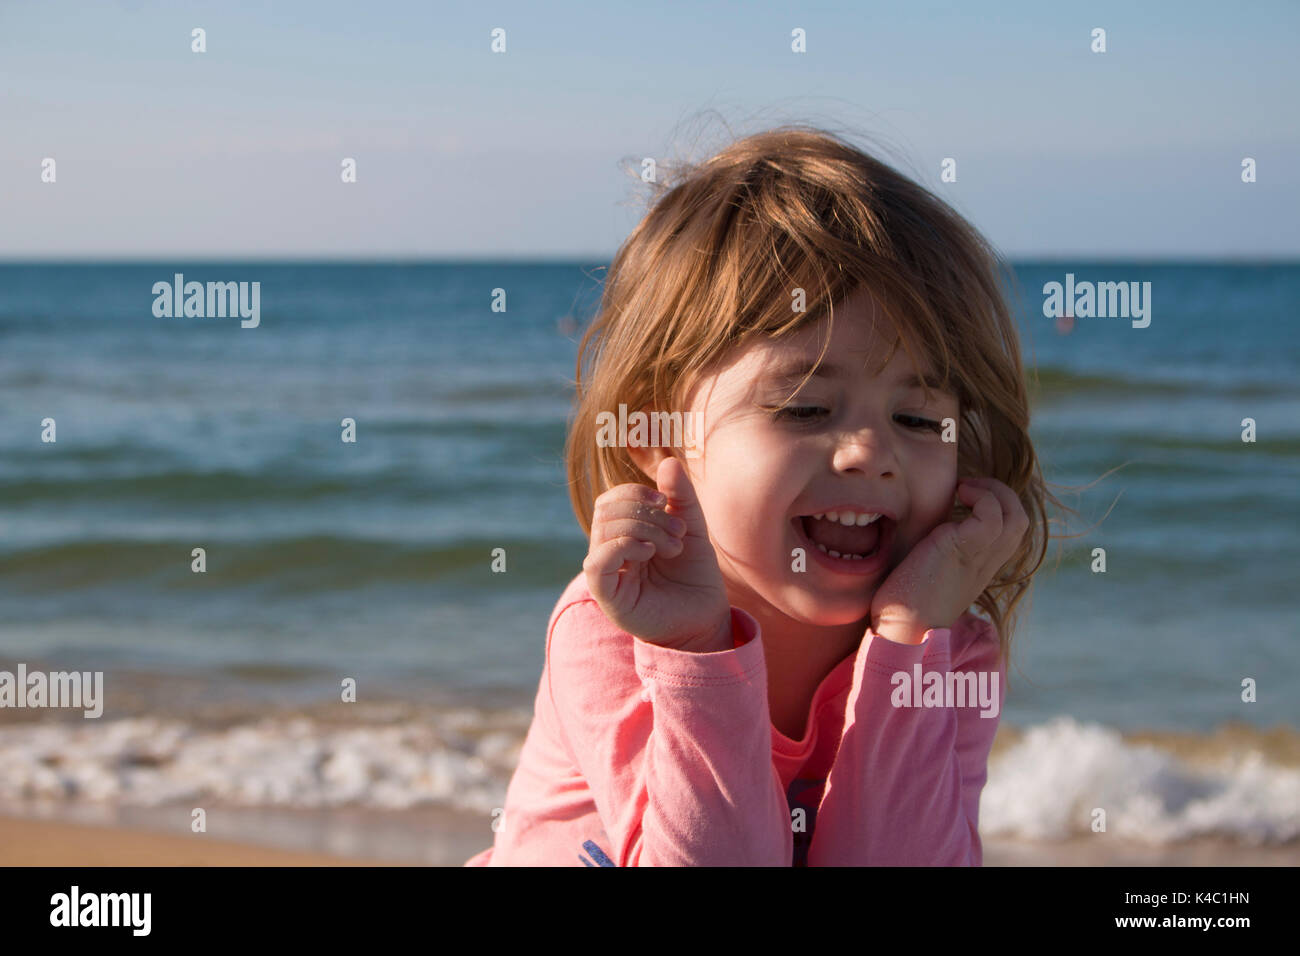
<point>450,761</point>
<point>187,486</point>
<point>1055,382</point>
<point>1239,783</point>
<point>288,565</point>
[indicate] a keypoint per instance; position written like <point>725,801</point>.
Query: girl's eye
<point>912,421</point>
<point>800,413</point>
<point>809,413</point>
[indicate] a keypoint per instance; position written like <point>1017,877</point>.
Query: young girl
<point>769,657</point>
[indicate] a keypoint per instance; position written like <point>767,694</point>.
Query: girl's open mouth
<point>850,549</point>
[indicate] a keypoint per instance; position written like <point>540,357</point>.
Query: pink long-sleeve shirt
<point>640,755</point>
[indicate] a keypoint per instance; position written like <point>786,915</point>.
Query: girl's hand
<point>651,567</point>
<point>952,565</point>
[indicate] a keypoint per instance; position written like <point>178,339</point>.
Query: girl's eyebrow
<point>796,371</point>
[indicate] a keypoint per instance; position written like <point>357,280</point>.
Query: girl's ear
<point>647,457</point>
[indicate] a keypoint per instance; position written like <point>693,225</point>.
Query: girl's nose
<point>865,451</point>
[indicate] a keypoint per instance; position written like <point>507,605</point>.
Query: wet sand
<point>25,842</point>
<point>447,840</point>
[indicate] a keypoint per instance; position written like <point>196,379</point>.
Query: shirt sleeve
<point>904,789</point>
<point>675,746</point>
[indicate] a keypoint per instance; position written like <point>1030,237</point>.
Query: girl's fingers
<point>637,505</point>
<point>1006,498</point>
<point>631,492</point>
<point>604,562</point>
<point>1014,520</point>
<point>982,528</point>
<point>998,521</point>
<point>675,483</point>
<point>666,543</point>
<point>640,511</point>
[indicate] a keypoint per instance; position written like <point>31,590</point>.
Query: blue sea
<point>373,560</point>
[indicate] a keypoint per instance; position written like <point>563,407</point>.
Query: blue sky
<point>236,152</point>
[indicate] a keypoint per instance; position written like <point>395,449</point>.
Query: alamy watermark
<point>946,689</point>
<point>1103,300</point>
<point>215,300</point>
<point>651,429</point>
<point>55,689</point>
<point>75,908</point>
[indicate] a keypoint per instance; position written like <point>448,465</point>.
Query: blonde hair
<point>713,265</point>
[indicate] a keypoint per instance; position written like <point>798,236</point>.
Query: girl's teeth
<point>836,554</point>
<point>848,519</point>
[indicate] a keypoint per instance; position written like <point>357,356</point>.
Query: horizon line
<point>578,259</point>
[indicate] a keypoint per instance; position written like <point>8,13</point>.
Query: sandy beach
<point>34,842</point>
<point>1107,850</point>
<point>26,842</point>
<point>136,836</point>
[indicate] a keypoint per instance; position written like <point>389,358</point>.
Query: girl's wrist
<point>711,641</point>
<point>901,632</point>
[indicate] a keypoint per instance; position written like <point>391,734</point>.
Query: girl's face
<point>855,438</point>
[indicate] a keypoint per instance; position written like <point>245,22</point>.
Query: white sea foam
<point>1047,785</point>
<point>1043,788</point>
<point>293,762</point>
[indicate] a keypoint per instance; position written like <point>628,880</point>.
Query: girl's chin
<point>807,606</point>
<point>826,611</point>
